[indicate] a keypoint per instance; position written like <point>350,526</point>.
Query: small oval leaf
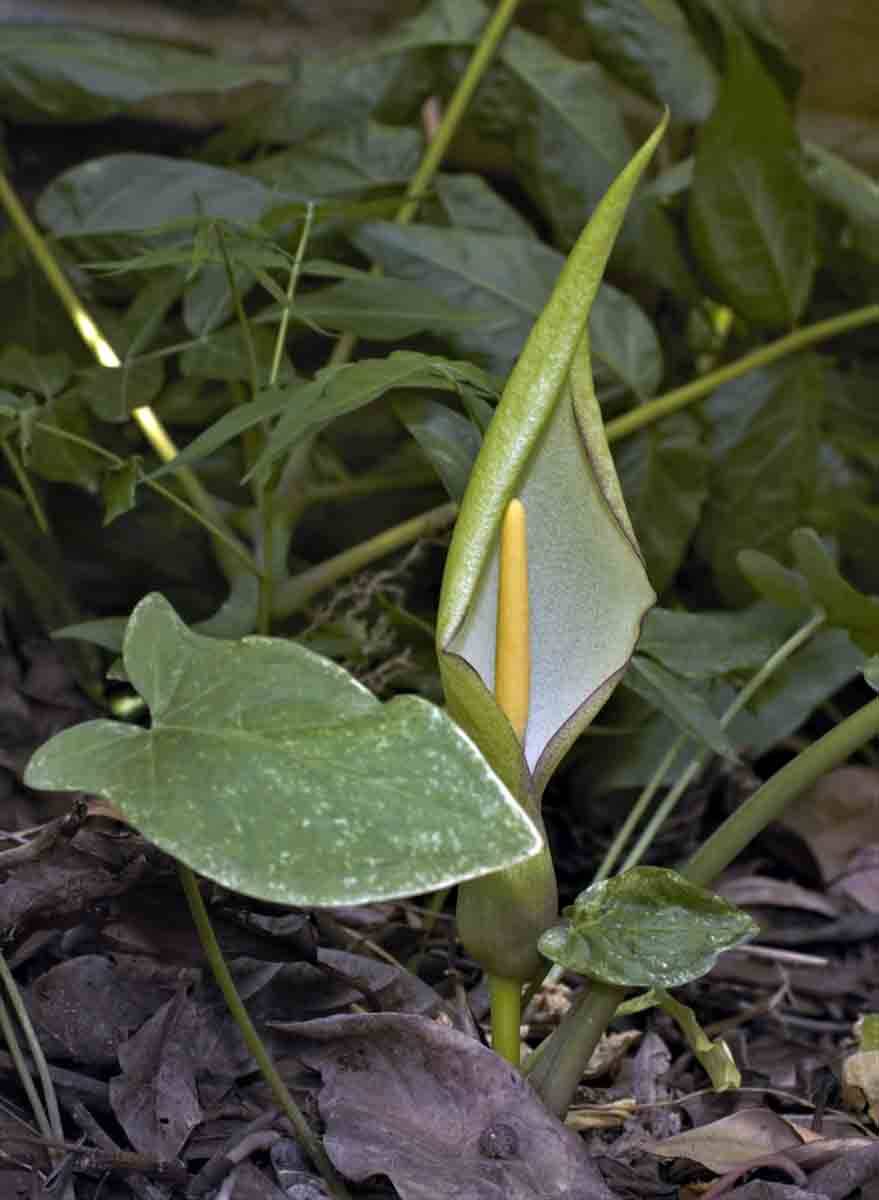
<point>648,927</point>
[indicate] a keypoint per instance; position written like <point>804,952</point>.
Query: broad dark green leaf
<point>664,473</point>
<point>648,927</point>
<point>385,309</point>
<point>567,135</point>
<point>343,161</point>
<point>130,192</point>
<point>759,20</point>
<point>82,75</point>
<point>765,442</point>
<point>688,710</point>
<point>389,78</point>
<point>471,203</point>
<point>649,45</point>
<point>43,374</point>
<point>511,277</point>
<point>273,772</point>
<point>823,666</point>
<point>450,442</point>
<point>852,415</point>
<point>708,645</point>
<point>209,298</point>
<point>752,215</point>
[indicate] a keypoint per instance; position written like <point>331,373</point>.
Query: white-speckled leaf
<point>272,771</point>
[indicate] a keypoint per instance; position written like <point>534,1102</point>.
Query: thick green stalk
<point>310,1143</point>
<point>506,1014</point>
<point>556,1067</point>
<point>769,801</point>
<point>654,410</point>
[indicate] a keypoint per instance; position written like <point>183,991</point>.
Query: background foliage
<point>743,234</point>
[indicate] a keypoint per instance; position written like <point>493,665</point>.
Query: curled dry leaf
<point>454,1119</point>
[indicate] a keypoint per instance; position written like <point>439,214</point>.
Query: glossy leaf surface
<point>648,927</point>
<point>273,772</point>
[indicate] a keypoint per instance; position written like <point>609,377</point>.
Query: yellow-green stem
<point>506,1015</point>
<point>149,423</point>
<point>309,1141</point>
<point>671,402</point>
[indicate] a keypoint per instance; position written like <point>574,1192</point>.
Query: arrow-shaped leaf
<point>272,771</point>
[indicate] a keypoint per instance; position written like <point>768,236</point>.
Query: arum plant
<point>543,596</point>
<point>648,927</point>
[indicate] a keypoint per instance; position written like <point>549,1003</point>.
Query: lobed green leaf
<point>273,772</point>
